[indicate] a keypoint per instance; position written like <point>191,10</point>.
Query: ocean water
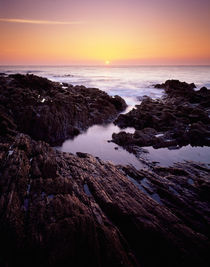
<point>127,81</point>
<point>131,83</point>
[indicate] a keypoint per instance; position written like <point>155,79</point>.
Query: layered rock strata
<point>60,209</point>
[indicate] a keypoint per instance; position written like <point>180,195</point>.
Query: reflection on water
<point>167,157</point>
<point>95,141</point>
<point>130,82</point>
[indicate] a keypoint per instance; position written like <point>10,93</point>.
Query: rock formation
<point>65,210</point>
<point>60,209</point>
<point>181,118</point>
<point>51,112</point>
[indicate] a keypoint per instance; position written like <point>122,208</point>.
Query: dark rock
<point>65,84</point>
<point>159,86</point>
<point>175,87</point>
<point>60,209</point>
<point>181,118</point>
<point>46,111</point>
<point>122,138</point>
<point>7,126</point>
<point>119,103</point>
<point>56,207</point>
<point>31,82</point>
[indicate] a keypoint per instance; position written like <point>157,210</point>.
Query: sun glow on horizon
<point>105,33</point>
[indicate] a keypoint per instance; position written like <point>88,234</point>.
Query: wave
<point>64,75</point>
<point>130,81</point>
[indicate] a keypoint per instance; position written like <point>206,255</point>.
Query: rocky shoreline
<point>60,209</point>
<point>182,117</point>
<point>51,111</point>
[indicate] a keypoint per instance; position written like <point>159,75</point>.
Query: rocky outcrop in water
<point>60,209</point>
<point>181,118</point>
<point>51,112</point>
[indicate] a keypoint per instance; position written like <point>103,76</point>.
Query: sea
<point>131,83</point>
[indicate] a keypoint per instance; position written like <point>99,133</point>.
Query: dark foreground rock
<point>181,118</point>
<point>51,112</point>
<point>58,209</point>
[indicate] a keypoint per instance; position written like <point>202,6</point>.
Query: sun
<point>107,62</point>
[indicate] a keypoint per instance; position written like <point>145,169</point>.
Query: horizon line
<point>110,66</point>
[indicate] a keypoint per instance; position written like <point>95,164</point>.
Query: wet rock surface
<point>182,117</point>
<point>51,112</point>
<point>60,209</point>
<point>65,210</point>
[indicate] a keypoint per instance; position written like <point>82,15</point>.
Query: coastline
<point>119,213</point>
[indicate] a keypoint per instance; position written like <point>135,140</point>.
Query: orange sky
<point>91,32</point>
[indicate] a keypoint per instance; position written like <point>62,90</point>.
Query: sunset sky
<point>94,32</point>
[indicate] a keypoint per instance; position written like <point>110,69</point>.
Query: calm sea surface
<point>130,82</point>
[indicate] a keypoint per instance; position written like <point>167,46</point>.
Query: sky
<point>92,32</point>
